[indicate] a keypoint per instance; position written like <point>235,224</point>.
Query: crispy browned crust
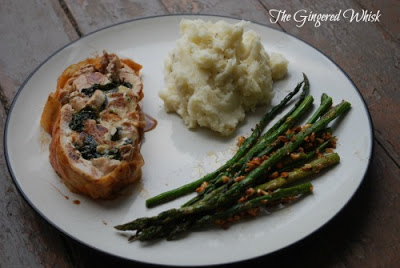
<point>63,159</point>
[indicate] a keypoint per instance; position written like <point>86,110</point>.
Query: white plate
<point>174,155</point>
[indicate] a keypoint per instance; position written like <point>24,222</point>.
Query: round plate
<point>175,155</point>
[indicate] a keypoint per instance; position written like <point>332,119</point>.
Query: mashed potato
<point>217,73</point>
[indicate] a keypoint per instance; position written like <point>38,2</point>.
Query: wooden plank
<point>390,10</point>
<point>365,52</point>
<point>26,240</point>
<point>248,10</point>
<point>93,15</point>
<point>30,32</point>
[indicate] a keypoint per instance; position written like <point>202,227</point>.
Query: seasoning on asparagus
<point>174,221</point>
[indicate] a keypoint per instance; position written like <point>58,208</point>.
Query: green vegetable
<point>78,119</point>
<point>163,221</point>
<point>300,173</point>
<point>88,149</point>
<point>109,87</point>
<point>117,134</point>
<point>89,146</point>
<point>256,202</point>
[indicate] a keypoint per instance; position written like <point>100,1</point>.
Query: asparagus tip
<point>119,227</point>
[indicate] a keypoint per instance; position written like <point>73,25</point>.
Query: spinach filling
<point>78,119</point>
<point>110,87</point>
<point>88,150</point>
<point>117,134</point>
<point>104,105</point>
<point>128,141</point>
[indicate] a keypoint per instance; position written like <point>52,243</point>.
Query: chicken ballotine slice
<point>97,125</point>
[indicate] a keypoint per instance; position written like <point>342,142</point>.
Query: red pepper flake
<point>236,218</point>
<point>240,140</point>
<point>274,175</point>
<point>294,156</point>
<point>255,162</point>
<point>202,187</point>
<point>225,179</point>
<point>250,191</point>
<point>284,174</point>
<point>289,132</point>
<point>332,143</point>
<point>306,167</point>
<point>329,150</point>
<point>326,135</point>
<point>312,137</point>
<point>222,223</point>
<point>253,212</point>
<point>297,129</point>
<point>240,178</point>
<point>262,192</point>
<point>283,138</point>
<point>242,199</point>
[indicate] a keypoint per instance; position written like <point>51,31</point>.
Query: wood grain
<point>93,15</point>
<point>362,50</point>
<point>390,19</point>
<point>247,10</point>
<point>30,31</point>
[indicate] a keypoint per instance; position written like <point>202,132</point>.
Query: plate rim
<point>28,201</point>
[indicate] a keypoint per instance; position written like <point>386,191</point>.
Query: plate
<point>175,155</point>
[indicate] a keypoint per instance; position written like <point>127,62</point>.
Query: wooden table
<point>366,233</point>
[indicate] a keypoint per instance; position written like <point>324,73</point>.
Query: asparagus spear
<point>326,103</point>
<point>304,157</point>
<point>265,141</point>
<point>246,145</point>
<point>300,189</point>
<point>172,230</point>
<point>237,189</point>
<point>311,168</point>
<point>282,120</point>
<point>287,166</point>
<point>210,188</point>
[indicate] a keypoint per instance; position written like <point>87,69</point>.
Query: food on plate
<point>266,174</point>
<point>96,124</point>
<point>216,73</point>
<point>279,66</point>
